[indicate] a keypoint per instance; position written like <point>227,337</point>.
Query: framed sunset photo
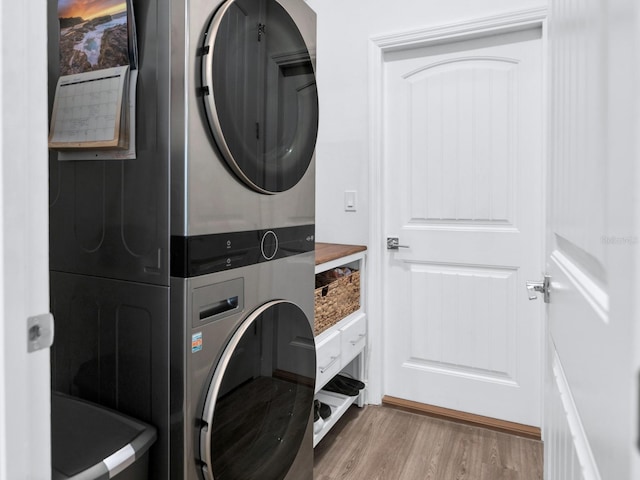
<point>94,35</point>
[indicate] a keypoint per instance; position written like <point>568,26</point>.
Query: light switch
<point>350,200</point>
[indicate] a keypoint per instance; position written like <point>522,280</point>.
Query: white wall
<point>344,29</point>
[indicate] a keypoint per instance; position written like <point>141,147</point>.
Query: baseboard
<point>512,428</point>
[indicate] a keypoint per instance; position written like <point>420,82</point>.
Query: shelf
<point>345,341</point>
<point>339,404</point>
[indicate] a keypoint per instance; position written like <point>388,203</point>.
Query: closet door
<point>463,186</point>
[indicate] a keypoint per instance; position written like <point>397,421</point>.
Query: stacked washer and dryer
<point>182,281</point>
<point>242,248</point>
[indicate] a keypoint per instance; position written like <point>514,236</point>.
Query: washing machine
<point>244,117</point>
<point>243,372</point>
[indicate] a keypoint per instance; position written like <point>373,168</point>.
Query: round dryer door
<point>258,406</point>
<point>260,93</point>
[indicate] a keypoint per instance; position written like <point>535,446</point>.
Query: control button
<point>269,245</point>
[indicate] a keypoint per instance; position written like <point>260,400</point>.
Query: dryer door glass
<point>260,93</point>
<point>258,406</point>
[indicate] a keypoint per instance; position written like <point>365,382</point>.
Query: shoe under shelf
<point>339,404</point>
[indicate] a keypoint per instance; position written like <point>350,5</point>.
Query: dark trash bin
<point>91,442</point>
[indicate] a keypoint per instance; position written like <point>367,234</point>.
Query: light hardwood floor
<point>382,443</point>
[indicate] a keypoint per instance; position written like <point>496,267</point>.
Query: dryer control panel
<point>203,254</point>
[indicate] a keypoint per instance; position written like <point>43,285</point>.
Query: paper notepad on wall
<point>91,110</point>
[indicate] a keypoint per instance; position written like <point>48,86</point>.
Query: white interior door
<point>591,388</point>
<point>463,189</point>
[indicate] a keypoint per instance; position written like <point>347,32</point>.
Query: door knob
<point>543,287</point>
<point>393,243</point>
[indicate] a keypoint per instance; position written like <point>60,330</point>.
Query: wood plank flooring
<point>382,443</point>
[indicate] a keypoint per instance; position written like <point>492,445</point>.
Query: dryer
<point>243,373</point>
<point>244,116</point>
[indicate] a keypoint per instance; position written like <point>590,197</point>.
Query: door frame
<point>379,46</point>
<point>24,241</point>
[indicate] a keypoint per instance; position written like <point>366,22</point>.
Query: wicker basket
<point>336,300</point>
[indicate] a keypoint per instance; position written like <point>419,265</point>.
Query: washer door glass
<point>259,402</point>
<point>260,93</point>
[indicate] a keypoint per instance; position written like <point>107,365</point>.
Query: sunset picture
<point>90,9</point>
<point>93,35</point>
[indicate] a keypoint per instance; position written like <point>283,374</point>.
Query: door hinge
<point>40,330</point>
<point>262,29</point>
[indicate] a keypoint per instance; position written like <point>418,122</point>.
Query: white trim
<point>378,47</point>
<point>376,236</point>
<point>469,29</point>
<point>24,377</point>
<point>544,332</point>
<point>3,324</point>
<point>593,293</point>
<point>580,442</point>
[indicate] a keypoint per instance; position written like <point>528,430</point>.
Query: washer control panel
<point>202,254</point>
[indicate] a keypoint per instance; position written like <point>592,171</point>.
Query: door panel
<point>462,110</point>
<point>463,190</point>
<point>439,321</point>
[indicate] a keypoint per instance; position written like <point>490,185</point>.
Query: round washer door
<point>260,93</point>
<point>259,401</point>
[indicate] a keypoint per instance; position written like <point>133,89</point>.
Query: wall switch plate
<point>350,200</point>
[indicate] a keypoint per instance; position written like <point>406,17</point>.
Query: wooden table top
<point>325,252</point>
